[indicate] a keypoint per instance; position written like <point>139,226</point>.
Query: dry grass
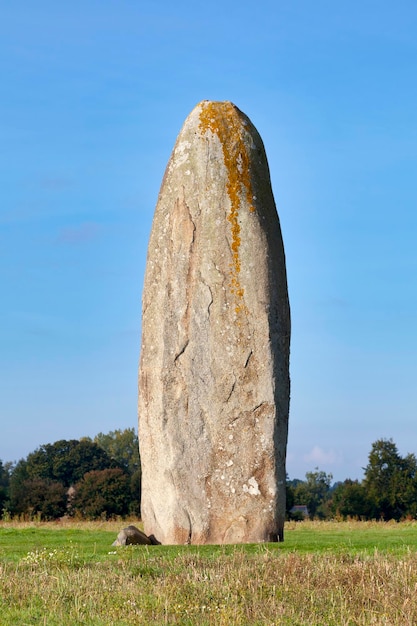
<point>72,523</point>
<point>157,585</point>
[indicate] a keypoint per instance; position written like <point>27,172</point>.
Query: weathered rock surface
<point>131,536</point>
<point>214,368</point>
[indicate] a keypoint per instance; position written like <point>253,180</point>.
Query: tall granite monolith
<point>214,367</point>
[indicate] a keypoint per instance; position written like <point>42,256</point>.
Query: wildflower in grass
<point>64,556</point>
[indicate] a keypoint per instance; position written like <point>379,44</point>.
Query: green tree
<point>17,490</point>
<point>40,496</point>
<point>390,481</point>
<point>349,499</point>
<point>103,492</point>
<point>45,497</point>
<point>4,484</point>
<point>53,468</point>
<point>67,461</point>
<point>122,446</point>
<point>135,492</point>
<point>405,486</point>
<point>314,493</point>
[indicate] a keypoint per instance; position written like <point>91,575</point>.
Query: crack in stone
<point>190,271</point>
<point>248,359</point>
<point>190,528</point>
<point>210,292</point>
<point>211,300</point>
<point>183,349</point>
<point>231,391</point>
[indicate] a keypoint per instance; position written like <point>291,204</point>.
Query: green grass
<point>323,574</point>
<point>351,537</point>
<point>93,541</point>
<point>15,543</point>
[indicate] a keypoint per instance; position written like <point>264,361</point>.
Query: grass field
<point>325,573</point>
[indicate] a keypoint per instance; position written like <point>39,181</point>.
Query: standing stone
<point>214,368</point>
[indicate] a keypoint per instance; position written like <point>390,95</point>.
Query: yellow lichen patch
<point>224,120</point>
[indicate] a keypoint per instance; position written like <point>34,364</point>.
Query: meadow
<point>325,573</point>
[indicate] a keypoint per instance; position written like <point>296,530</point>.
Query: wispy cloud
<point>320,456</point>
<point>82,233</point>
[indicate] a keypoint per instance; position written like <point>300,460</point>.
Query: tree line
<point>101,477</point>
<point>387,492</point>
<point>88,478</point>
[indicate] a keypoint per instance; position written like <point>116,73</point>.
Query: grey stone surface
<point>214,367</point>
<point>131,536</point>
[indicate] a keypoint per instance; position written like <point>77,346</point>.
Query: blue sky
<point>93,96</point>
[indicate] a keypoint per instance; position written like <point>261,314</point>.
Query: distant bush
<point>102,493</point>
<point>41,497</point>
<point>42,484</point>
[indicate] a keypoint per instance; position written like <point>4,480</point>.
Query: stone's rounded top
<point>226,110</point>
<point>210,114</point>
<point>217,103</point>
<point>220,108</point>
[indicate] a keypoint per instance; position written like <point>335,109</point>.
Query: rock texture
<point>214,367</point>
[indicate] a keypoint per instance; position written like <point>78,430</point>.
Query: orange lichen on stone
<point>224,120</point>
